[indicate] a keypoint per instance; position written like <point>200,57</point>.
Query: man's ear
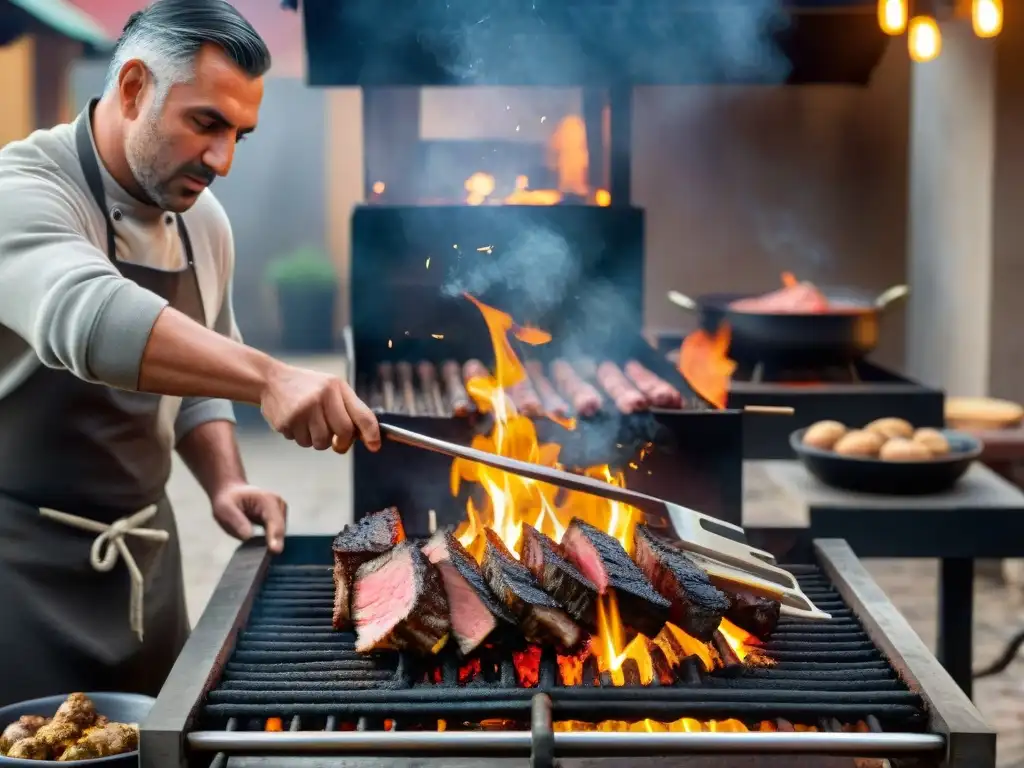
<point>131,85</point>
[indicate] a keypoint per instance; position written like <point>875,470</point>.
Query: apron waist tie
<point>110,543</point>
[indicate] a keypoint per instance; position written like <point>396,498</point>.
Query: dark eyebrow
<point>212,114</point>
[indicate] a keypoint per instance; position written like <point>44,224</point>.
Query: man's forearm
<point>184,359</point>
<point>211,453</point>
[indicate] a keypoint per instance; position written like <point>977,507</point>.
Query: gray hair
<point>168,34</point>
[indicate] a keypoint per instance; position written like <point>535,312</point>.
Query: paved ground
<point>317,488</point>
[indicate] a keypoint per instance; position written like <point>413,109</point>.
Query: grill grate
<point>289,664</point>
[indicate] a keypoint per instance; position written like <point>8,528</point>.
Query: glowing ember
<point>569,160</point>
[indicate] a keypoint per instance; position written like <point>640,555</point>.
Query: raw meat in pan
<point>585,399</point>
<point>627,398</point>
<point>756,614</point>
<point>549,397</point>
<point>697,605</point>
<point>473,610</point>
<point>541,619</point>
<point>559,578</point>
<point>602,559</point>
<point>802,298</point>
<point>656,389</point>
<point>398,601</point>
<point>358,543</point>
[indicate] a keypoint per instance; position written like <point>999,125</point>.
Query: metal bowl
<point>118,707</point>
<point>894,478</point>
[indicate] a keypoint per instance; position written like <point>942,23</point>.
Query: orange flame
<point>704,363</point>
<point>511,500</point>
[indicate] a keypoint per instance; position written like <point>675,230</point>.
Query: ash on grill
<point>562,389</point>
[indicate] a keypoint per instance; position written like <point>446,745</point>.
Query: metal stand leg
<point>956,619</point>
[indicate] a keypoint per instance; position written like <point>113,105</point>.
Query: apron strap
<point>110,543</point>
<point>94,178</point>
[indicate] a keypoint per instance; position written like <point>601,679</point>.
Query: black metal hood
<point>590,42</point>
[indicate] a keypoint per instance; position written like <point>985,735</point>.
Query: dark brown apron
<point>94,452</point>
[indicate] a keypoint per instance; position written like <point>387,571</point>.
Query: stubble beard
<point>144,149</point>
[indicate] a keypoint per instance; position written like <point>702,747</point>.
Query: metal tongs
<point>720,547</point>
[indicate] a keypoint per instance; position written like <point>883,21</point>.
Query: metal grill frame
<point>968,741</point>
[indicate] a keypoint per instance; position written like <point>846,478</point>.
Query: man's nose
<point>219,155</point>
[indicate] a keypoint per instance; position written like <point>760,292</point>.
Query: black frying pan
<point>841,336</point>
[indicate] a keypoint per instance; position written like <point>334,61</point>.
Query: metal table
<point>982,517</point>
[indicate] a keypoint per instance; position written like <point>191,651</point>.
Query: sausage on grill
<point>549,397</point>
<point>627,398</point>
<point>458,398</point>
<point>656,389</point>
<point>586,400</point>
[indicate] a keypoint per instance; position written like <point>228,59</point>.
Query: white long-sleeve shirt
<point>63,304</point>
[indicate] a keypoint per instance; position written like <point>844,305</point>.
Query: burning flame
<point>510,500</point>
<point>704,363</point>
<point>567,156</point>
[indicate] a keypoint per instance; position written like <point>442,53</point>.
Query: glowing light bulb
<point>924,40</point>
<point>987,17</point>
<point>892,16</point>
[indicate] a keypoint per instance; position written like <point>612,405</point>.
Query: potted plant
<point>307,292</point>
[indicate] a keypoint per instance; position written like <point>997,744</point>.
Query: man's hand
<point>236,507</point>
<point>317,410</point>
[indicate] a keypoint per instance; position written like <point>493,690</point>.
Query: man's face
<point>176,148</point>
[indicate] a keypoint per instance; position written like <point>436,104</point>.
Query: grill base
<point>753,761</point>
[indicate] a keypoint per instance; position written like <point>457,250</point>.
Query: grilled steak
<point>474,612</point>
<point>541,619</point>
<point>558,577</point>
<point>602,559</point>
<point>398,601</point>
<point>757,615</point>
<point>697,605</point>
<point>358,543</point>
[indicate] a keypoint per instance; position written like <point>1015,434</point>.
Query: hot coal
<point>475,613</point>
<point>541,619</point>
<point>359,543</point>
<point>558,577</point>
<point>756,614</point>
<point>697,606</point>
<point>601,558</point>
<point>399,602</point>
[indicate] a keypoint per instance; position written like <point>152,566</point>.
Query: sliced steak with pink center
<point>697,605</point>
<point>602,559</point>
<point>475,613</point>
<point>558,577</point>
<point>398,601</point>
<point>541,619</point>
<point>358,543</point>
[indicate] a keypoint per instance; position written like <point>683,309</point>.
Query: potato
<point>933,440</point>
<point>902,449</point>
<point>824,434</point>
<point>891,427</point>
<point>859,442</point>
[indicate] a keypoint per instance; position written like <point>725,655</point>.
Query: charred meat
<point>475,613</point>
<point>398,601</point>
<point>359,543</point>
<point>697,605</point>
<point>607,565</point>
<point>558,577</point>
<point>756,614</point>
<point>541,619</point>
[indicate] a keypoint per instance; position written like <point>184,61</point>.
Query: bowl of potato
<point>887,456</point>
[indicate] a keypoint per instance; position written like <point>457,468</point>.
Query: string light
<point>924,39</point>
<point>987,17</point>
<point>892,16</point>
